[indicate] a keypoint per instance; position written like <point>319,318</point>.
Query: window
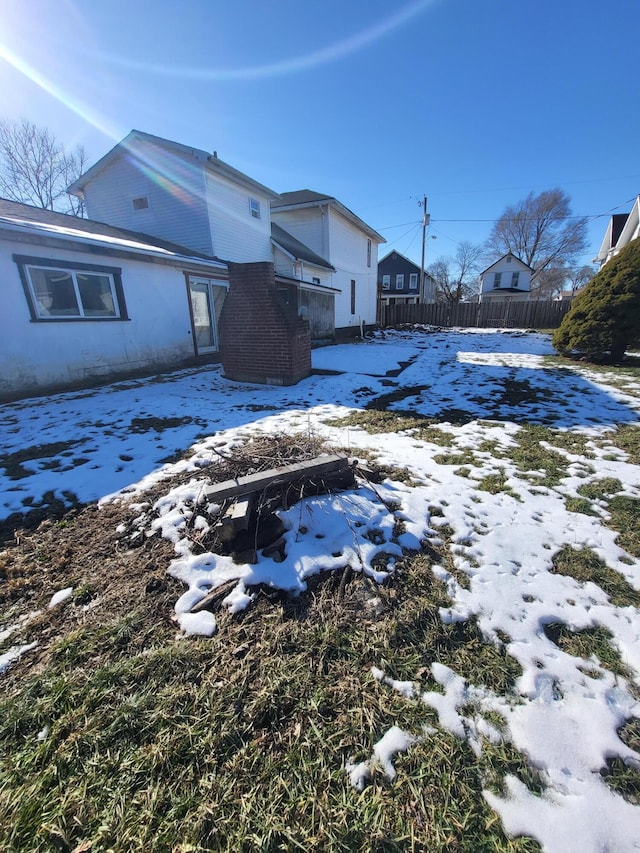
<point>508,259</point>
<point>68,291</point>
<point>386,282</point>
<point>496,279</point>
<point>254,207</point>
<point>368,253</point>
<point>514,279</point>
<point>413,281</point>
<point>399,281</point>
<point>315,279</point>
<point>353,296</point>
<point>140,203</point>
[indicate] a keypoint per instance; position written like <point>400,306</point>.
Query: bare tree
<point>579,277</point>
<point>456,278</point>
<point>35,168</point>
<point>549,282</point>
<point>541,231</point>
<point>553,281</point>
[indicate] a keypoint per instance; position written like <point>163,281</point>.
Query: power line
<point>587,216</point>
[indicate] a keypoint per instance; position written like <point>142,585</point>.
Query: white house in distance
<point>347,243</point>
<point>507,280</point>
<point>621,230</point>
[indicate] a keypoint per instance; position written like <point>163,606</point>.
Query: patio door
<point>207,297</point>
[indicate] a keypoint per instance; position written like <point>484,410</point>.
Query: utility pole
<point>426,217</point>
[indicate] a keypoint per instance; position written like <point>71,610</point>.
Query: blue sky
<point>377,102</point>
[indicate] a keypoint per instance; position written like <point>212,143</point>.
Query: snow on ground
<point>483,386</point>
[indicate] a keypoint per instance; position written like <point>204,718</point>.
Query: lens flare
<point>323,56</point>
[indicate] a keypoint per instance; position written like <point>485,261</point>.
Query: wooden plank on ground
<point>317,468</point>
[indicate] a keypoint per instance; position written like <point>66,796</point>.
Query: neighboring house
<point>507,280</point>
<point>84,301</point>
<point>399,282</point>
<point>344,241</point>
<point>621,230</point>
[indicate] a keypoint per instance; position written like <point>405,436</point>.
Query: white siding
<point>172,184</point>
<point>344,245</point>
<point>349,257</point>
<point>283,264</point>
<point>309,225</point>
<point>505,296</point>
<point>505,268</point>
<point>235,234</point>
<point>38,355</point>
<point>303,271</point>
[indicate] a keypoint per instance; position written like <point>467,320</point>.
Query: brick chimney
<point>261,337</point>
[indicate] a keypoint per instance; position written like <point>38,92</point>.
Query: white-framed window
<point>353,296</point>
<point>386,282</point>
<point>413,281</point>
<point>64,290</point>
<point>400,281</point>
<point>514,279</point>
<point>315,279</point>
<point>508,259</point>
<point>496,279</point>
<point>254,207</point>
<point>368,253</point>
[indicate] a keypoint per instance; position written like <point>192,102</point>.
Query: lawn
<point>447,657</point>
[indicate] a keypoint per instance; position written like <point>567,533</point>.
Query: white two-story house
<point>507,280</point>
<point>322,252</point>
<point>345,242</point>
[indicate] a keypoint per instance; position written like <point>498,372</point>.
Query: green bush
<point>604,320</point>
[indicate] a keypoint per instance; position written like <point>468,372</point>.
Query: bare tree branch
<point>457,278</point>
<point>35,168</point>
<point>541,231</point>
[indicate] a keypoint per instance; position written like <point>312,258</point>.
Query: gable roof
<point>210,161</point>
<point>399,255</point>
<point>46,224</point>
<point>295,248</point>
<point>310,198</point>
<point>509,254</point>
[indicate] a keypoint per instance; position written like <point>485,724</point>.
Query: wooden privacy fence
<point>493,315</point>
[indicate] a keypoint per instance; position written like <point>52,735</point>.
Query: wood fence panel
<point>535,314</point>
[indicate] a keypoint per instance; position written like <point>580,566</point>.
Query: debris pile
<point>261,526</point>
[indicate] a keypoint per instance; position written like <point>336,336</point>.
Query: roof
<point>515,257</point>
<point>209,160</point>
<point>295,248</point>
<point>310,198</point>
<point>403,257</point>
<point>304,197</point>
<point>26,219</point>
